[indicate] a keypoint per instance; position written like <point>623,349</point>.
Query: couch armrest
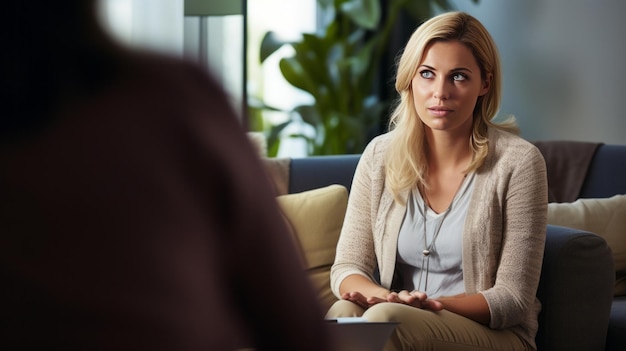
<point>576,290</point>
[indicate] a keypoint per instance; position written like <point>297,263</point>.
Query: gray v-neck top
<point>441,272</point>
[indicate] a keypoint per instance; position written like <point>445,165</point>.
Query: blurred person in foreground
<point>134,213</point>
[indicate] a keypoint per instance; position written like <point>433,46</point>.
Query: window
<point>217,43</point>
<point>289,19</point>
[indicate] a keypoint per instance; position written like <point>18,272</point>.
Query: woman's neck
<point>448,152</point>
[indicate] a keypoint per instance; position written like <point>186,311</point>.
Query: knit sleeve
<point>355,248</point>
<point>523,217</point>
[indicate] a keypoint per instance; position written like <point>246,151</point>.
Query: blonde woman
<point>448,207</point>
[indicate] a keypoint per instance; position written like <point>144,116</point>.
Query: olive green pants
<point>426,330</point>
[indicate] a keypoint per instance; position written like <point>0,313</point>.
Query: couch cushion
<point>605,217</point>
<point>316,217</point>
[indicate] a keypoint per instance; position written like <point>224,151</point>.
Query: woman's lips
<point>440,111</point>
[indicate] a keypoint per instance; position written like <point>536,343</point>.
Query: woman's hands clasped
<point>413,298</point>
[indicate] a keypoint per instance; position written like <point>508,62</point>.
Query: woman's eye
<point>426,74</point>
<point>458,77</point>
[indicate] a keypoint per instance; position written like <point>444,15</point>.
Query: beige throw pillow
<point>605,217</point>
<point>316,217</point>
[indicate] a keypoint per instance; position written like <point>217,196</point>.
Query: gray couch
<point>576,289</point>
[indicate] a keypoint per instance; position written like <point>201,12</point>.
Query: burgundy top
<point>140,218</point>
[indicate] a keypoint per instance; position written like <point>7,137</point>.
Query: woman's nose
<point>441,90</point>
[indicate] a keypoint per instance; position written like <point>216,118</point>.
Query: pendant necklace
<point>428,248</point>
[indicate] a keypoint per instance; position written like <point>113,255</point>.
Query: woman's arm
<point>355,260</point>
<point>472,306</point>
<point>520,249</point>
<point>363,285</point>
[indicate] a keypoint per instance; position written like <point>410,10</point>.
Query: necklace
<point>428,248</point>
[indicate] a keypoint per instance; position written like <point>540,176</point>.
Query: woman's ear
<point>486,84</point>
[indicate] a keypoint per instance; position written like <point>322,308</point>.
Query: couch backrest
<point>607,173</point>
<point>318,171</point>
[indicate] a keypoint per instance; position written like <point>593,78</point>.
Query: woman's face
<point>447,85</point>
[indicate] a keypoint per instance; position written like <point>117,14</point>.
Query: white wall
<point>564,65</point>
<point>151,24</point>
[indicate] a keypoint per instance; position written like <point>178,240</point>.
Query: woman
<point>449,206</point>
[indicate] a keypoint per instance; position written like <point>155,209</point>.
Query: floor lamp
<point>207,41</point>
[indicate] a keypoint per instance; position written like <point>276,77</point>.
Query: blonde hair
<point>406,164</point>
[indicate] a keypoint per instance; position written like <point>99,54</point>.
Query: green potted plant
<point>338,67</point>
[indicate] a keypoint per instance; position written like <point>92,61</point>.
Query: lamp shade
<point>213,7</point>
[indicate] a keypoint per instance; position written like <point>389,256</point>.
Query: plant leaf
<point>362,60</point>
<point>273,138</point>
<point>269,45</point>
<point>315,58</point>
<point>309,114</point>
<point>256,103</point>
<point>365,13</point>
<point>294,73</point>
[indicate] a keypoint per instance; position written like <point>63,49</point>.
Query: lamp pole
<point>208,8</point>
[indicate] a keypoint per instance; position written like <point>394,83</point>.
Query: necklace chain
<point>428,248</point>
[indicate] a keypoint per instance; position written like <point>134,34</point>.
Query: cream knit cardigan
<point>503,235</point>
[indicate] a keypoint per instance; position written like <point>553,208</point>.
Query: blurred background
<point>563,59</point>
<point>563,75</point>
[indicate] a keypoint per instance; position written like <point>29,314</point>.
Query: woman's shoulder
<point>377,147</point>
<point>504,138</point>
<point>512,150</point>
<point>509,146</point>
<point>374,155</point>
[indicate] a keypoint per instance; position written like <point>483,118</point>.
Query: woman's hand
<point>416,299</point>
<point>362,291</point>
<point>359,299</point>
